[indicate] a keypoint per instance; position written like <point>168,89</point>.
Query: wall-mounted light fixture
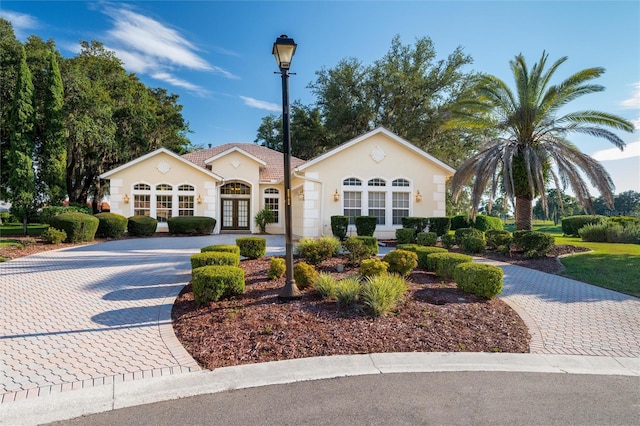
<point>418,196</point>
<point>336,196</point>
<point>125,199</point>
<point>199,199</point>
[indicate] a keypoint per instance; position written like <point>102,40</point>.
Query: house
<point>376,174</point>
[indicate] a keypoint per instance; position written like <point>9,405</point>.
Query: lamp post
<point>283,50</point>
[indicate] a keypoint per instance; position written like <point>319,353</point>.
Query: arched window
<point>401,183</point>
<point>164,187</point>
<point>376,182</point>
<point>352,182</point>
<point>186,188</point>
<point>235,188</point>
<point>142,187</point>
<point>141,202</point>
<point>272,201</point>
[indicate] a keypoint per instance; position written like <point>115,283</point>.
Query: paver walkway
<point>100,314</point>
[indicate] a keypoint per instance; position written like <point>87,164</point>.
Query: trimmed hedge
<point>79,227</point>
<point>533,243</point>
<point>497,238</point>
<point>277,268</point>
<point>572,224</point>
<point>460,221</point>
<point>401,261</point>
<point>474,244</point>
<point>227,248</point>
<point>405,235</point>
<point>212,283</point>
<point>416,223</point>
<point>339,226</point>
<point>317,250</point>
<point>373,266</point>
<point>484,223</point>
<point>252,247</point>
<point>444,264</point>
<point>462,233</point>
<point>216,258</point>
<point>112,225</point>
<point>422,251</point>
<point>439,225</point>
<point>304,274</point>
<point>142,226</point>
<point>479,279</point>
<point>51,211</point>
<point>427,238</point>
<point>365,225</point>
<point>191,225</point>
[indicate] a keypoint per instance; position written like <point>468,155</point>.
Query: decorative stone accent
<point>235,163</point>
<point>163,167</point>
<point>377,154</point>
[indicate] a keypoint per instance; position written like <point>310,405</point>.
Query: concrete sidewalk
<point>96,320</point>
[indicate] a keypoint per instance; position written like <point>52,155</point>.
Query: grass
<point>15,229</point>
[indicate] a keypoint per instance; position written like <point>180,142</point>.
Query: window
<point>235,188</point>
<point>164,204</point>
<point>186,206</point>
<point>376,182</point>
<point>272,201</point>
<point>377,206</point>
<point>401,182</point>
<point>400,206</point>
<point>141,187</point>
<point>164,187</point>
<point>352,205</point>
<point>352,182</point>
<point>186,188</point>
<point>141,204</point>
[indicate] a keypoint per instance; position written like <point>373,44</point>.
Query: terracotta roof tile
<point>274,170</point>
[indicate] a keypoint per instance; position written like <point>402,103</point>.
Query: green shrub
<point>191,225</point>
<point>462,233</point>
<point>5,218</point>
<point>325,285</point>
<point>79,227</point>
<point>460,221</point>
<point>365,225</point>
<point>112,225</point>
<point>373,266</point>
<point>141,226</point>
<point>277,268</point>
<point>479,279</point>
<point>405,235</point>
<point>339,226</point>
<point>623,234</point>
<point>51,211</point>
<point>252,247</point>
<point>211,283</point>
<point>305,275</point>
<point>533,243</point>
<point>440,225</point>
<point>423,253</point>
<point>443,264</point>
<point>624,220</point>
<point>484,223</point>
<point>427,238</point>
<point>317,250</point>
<point>347,291</point>
<point>474,244</point>
<point>401,261</point>
<point>497,238</point>
<point>356,250</point>
<point>418,224</point>
<point>572,224</point>
<point>371,243</point>
<point>53,235</point>
<point>448,241</point>
<point>227,248</point>
<point>264,217</point>
<point>381,293</point>
<point>595,232</point>
<point>215,258</point>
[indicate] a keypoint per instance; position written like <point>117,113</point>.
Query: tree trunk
<point>523,213</point>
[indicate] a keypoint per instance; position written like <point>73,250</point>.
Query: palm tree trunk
<point>523,213</point>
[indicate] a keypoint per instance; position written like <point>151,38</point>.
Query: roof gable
<point>238,150</point>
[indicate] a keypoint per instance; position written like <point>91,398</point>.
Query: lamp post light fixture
<point>283,50</point>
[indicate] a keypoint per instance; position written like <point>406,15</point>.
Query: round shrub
<point>533,243</point>
<point>356,250</point>
<point>371,243</point>
<point>142,226</point>
<point>448,241</point>
<point>497,238</point>
<point>365,225</point>
<point>112,225</point>
<point>316,250</point>
<point>53,235</point>
<point>211,283</point>
<point>304,274</point>
<point>427,238</point>
<point>277,268</point>
<point>191,225</point>
<point>252,247</point>
<point>479,279</point>
<point>401,261</point>
<point>462,233</point>
<point>374,266</point>
<point>214,258</point>
<point>484,223</point>
<point>339,226</point>
<point>50,211</point>
<point>474,244</point>
<point>79,227</point>
<point>443,264</point>
<point>227,248</point>
<point>405,235</point>
<point>440,225</point>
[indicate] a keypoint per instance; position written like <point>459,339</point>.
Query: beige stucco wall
<point>376,157</point>
<point>158,169</point>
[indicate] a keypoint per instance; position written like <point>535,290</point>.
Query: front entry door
<point>235,214</point>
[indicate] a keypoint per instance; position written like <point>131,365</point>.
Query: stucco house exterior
<point>377,174</point>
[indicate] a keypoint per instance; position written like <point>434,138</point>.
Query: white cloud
<point>255,103</point>
<point>172,79</point>
<point>634,100</point>
<point>21,22</point>
<point>631,150</point>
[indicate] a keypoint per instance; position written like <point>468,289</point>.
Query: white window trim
<point>277,196</point>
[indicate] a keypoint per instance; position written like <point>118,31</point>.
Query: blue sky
<point>217,55</point>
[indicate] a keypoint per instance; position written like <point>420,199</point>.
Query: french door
<point>235,214</point>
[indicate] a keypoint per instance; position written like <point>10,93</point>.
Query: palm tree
<point>531,147</point>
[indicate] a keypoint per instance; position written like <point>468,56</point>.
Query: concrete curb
<point>121,394</point>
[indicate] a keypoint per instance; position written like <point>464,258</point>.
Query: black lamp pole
<point>283,50</point>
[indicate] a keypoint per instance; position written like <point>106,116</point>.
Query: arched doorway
<point>235,198</point>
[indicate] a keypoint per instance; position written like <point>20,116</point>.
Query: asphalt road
<point>459,398</point>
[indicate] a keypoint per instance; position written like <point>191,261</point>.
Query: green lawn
<point>15,229</point>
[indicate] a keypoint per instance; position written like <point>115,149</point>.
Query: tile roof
<point>274,170</point>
